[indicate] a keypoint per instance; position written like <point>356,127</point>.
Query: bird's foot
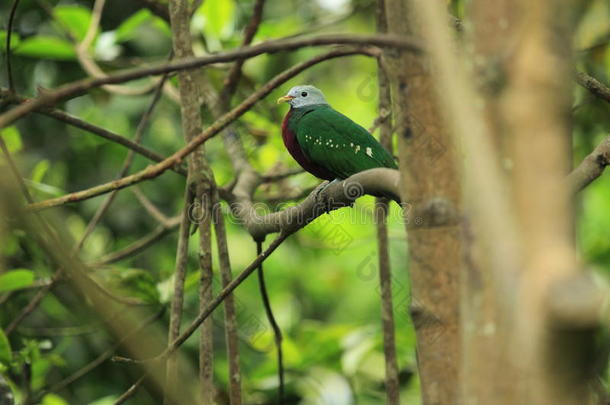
<point>321,196</point>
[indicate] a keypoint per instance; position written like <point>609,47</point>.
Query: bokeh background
<point>323,281</point>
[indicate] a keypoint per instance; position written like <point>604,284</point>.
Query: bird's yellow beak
<point>284,99</point>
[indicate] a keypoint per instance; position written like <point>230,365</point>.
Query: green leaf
<point>6,355</point>
<point>218,16</point>
<point>15,39</point>
<point>16,279</point>
<point>12,138</point>
<point>39,171</point>
<point>53,399</point>
<point>127,30</point>
<point>75,18</point>
<point>47,48</point>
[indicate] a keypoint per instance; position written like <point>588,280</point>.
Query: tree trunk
<point>431,198</point>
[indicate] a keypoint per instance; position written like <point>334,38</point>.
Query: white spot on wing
<point>369,152</point>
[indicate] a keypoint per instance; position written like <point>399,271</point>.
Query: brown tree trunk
<point>431,197</point>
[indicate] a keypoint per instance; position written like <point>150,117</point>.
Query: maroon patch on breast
<point>292,144</point>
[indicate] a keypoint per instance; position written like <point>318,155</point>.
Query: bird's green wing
<point>332,140</point>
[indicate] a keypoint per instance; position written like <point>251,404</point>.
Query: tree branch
<point>591,167</point>
<point>77,88</point>
<point>218,125</point>
<point>596,87</point>
<point>94,129</point>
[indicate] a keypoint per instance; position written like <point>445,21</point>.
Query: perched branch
<point>379,181</point>
<point>218,125</point>
<point>77,88</point>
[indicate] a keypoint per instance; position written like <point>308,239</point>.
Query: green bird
<point>325,142</point>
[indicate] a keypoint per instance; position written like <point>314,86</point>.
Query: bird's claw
<point>321,197</point>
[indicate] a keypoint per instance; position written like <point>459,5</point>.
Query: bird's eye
<point>304,94</point>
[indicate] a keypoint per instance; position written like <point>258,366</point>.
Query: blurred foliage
<point>323,281</point>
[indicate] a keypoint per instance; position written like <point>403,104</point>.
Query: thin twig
<point>175,318</point>
<point>218,125</point>
<point>94,129</point>
<point>130,392</point>
<point>102,357</point>
<point>234,75</point>
<point>139,245</point>
<point>214,303</point>
<point>126,164</point>
<point>149,206</point>
<point>277,332</point>
<point>33,304</point>
<point>9,33</point>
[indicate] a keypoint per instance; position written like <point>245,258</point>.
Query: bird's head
<point>300,96</point>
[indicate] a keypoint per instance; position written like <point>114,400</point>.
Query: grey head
<point>304,95</point>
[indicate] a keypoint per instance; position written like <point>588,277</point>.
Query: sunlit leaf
<point>53,399</point>
<point>15,39</point>
<point>218,17</point>
<point>46,47</point>
<point>16,279</point>
<point>12,138</point>
<point>40,170</point>
<point>128,29</point>
<point>74,18</point>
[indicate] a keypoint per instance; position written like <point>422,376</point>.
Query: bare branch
<point>277,332</point>
<point>175,318</point>
<point>591,167</point>
<point>234,75</point>
<point>94,129</point>
<point>80,87</point>
<point>126,164</point>
<point>596,87</point>
<point>130,392</point>
<point>139,245</point>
